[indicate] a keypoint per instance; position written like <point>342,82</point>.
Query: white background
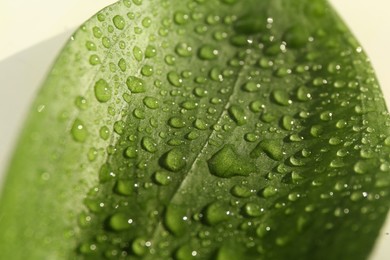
<point>33,31</point>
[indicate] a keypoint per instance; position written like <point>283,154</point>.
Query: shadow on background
<point>20,78</point>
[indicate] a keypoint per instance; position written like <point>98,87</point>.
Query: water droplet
<point>326,116</point>
<point>256,106</point>
<point>104,133</point>
<point>131,152</point>
<point>281,97</point>
<point>176,122</point>
<point>139,246</point>
<point>81,103</point>
<point>269,191</point>
<point>361,167</point>
<point>316,130</point>
<point>251,86</point>
<point>78,131</point>
<point>122,65</point>
<point>200,124</point>
<point>183,49</point>
<point>137,52</point>
<point>241,191</point>
<point>103,91</point>
<point>91,46</point>
<point>303,94</point>
<point>215,213</point>
<point>253,210</point>
<point>170,59</point>
<point>124,187</point>
<point>181,18</point>
<point>119,127</point>
<point>94,59</point>
<point>189,104</point>
<point>173,160</point>
<point>119,222</point>
<point>162,178</point>
<point>272,147</point>
<point>149,144</point>
<point>97,32</point>
<point>150,51</point>
<point>147,70</point>
<point>175,79</point>
<point>119,22</point>
<point>135,85</point>
<point>287,122</point>
<point>151,102</point>
<point>227,163</point>
<point>175,219</point>
<point>146,22</point>
<point>208,52</point>
<point>237,114</point>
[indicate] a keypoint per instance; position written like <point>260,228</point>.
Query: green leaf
<point>195,129</point>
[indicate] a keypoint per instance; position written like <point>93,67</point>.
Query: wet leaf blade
<point>164,126</point>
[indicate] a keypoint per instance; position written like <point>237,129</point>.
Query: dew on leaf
<point>151,102</point>
<point>175,220</point>
<point>131,152</point>
<point>176,122</point>
<point>119,22</point>
<point>227,163</point>
<point>119,127</point>
<point>296,37</point>
<point>162,178</point>
<point>174,78</point>
<point>241,191</point>
<point>173,160</point>
<point>150,51</point>
<point>215,213</point>
<point>253,210</point>
<point>208,52</point>
<point>147,70</point>
<point>146,22</point>
<point>135,85</point>
<point>237,114</point>
<point>124,187</point>
<point>78,131</point>
<point>148,144</point>
<point>250,24</point>
<point>281,97</point>
<point>119,222</point>
<point>81,103</point>
<point>271,147</point>
<point>183,49</point>
<point>269,191</point>
<point>180,18</point>
<point>103,91</point>
<point>104,132</point>
<point>137,52</point>
<point>91,46</point>
<point>251,86</point>
<point>94,59</point>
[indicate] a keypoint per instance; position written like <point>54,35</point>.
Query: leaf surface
<point>202,130</point>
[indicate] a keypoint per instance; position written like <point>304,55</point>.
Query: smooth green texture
<point>193,129</point>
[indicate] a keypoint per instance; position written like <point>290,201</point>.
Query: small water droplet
<point>208,52</point>
<point>241,191</point>
<point>119,222</point>
<point>124,187</point>
<point>103,91</point>
<point>150,51</point>
<point>251,86</point>
<point>183,49</point>
<point>175,79</point>
<point>216,213</point>
<point>135,85</point>
<point>181,18</point>
<point>253,210</point>
<point>149,144</point>
<point>119,22</point>
<point>78,131</point>
<point>162,178</point>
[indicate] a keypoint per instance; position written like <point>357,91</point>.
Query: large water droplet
<point>272,147</point>
<point>78,131</point>
<point>135,85</point>
<point>103,91</point>
<point>227,163</point>
<point>208,52</point>
<point>216,213</point>
<point>173,160</point>
<point>119,22</point>
<point>237,114</point>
